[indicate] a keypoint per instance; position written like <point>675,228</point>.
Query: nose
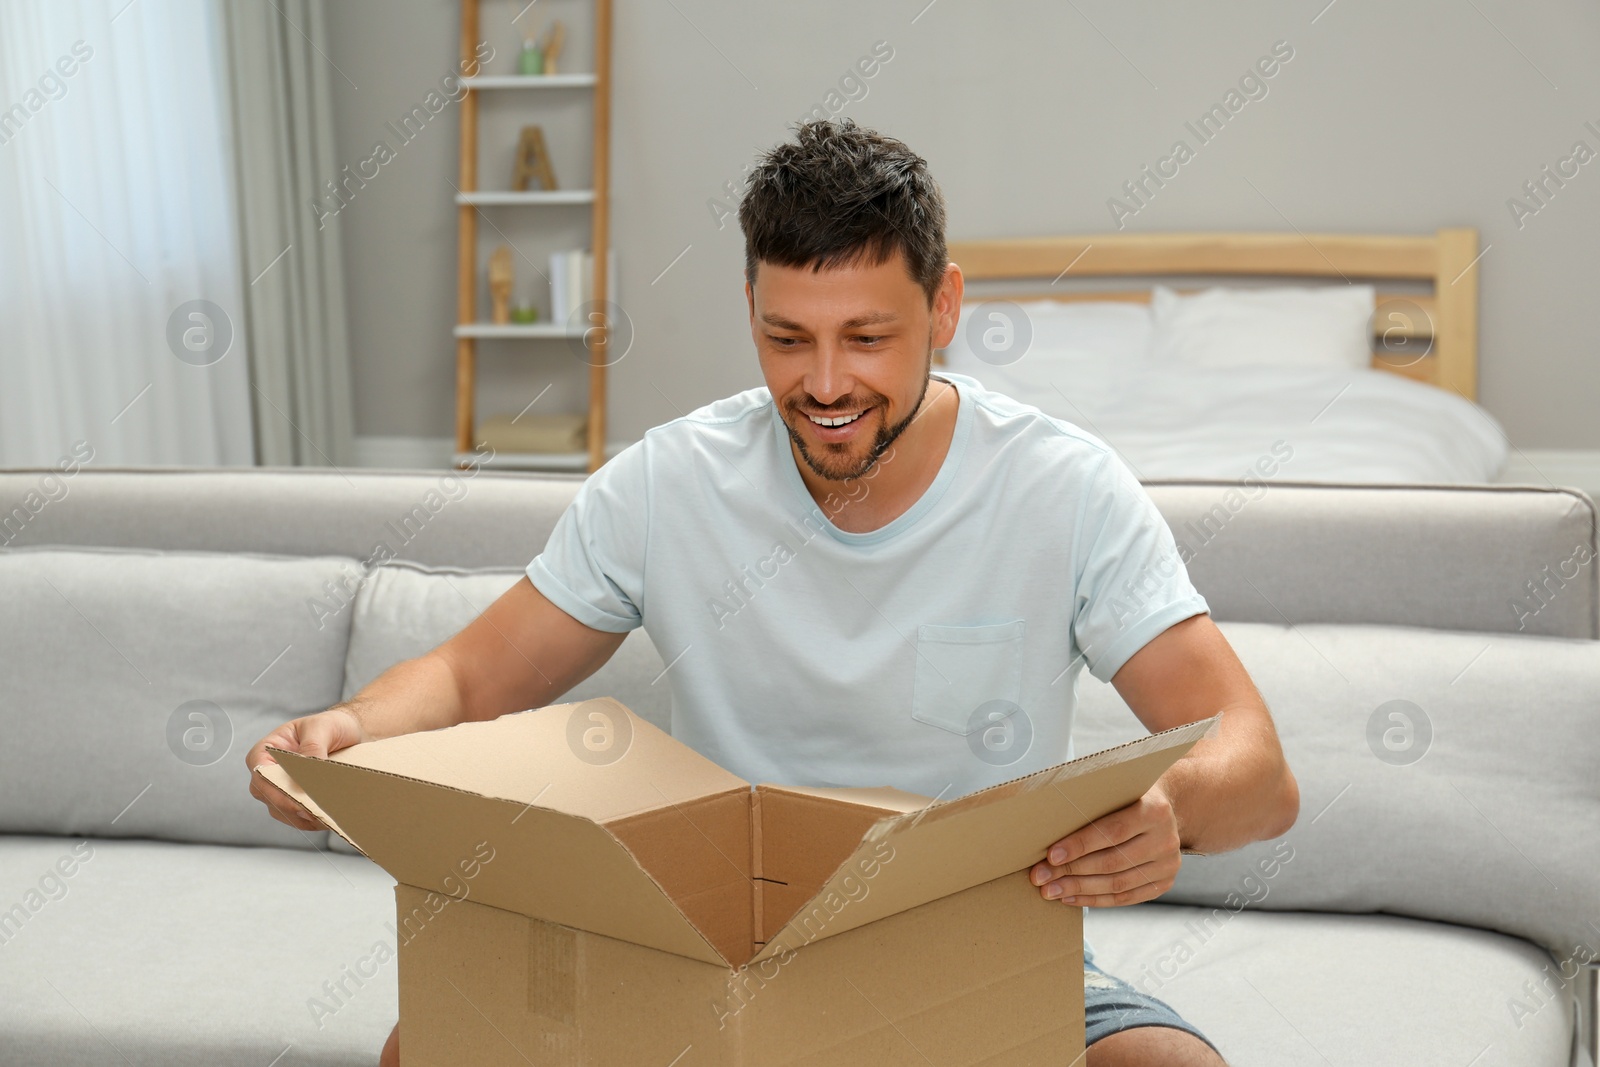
<point>828,377</point>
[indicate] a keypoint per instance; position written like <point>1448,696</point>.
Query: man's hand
<point>1129,856</point>
<point>313,735</point>
<point>522,652</point>
<point>1229,790</point>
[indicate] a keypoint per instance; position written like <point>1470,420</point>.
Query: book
<point>572,284</point>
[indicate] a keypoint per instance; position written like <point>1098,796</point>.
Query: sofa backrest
<point>1488,558</point>
<point>1504,559</point>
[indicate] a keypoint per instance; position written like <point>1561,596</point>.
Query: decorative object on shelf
<point>552,46</point>
<point>500,279</point>
<point>530,433</point>
<point>533,161</point>
<point>524,314</point>
<point>531,59</point>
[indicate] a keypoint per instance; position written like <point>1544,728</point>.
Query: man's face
<point>846,353</point>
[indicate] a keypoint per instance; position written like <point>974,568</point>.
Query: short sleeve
<point>592,568</point>
<point>1131,582</point>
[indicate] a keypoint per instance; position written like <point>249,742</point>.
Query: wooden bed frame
<point>1446,259</point>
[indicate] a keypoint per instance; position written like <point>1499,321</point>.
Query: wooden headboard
<point>1447,260</point>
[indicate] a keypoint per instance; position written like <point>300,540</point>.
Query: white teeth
<point>842,420</point>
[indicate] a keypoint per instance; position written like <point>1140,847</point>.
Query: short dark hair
<point>838,193</point>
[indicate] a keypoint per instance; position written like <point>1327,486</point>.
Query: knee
<point>390,1057</point>
<point>1152,1044</point>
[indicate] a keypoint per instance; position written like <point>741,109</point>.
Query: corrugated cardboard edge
<point>452,755</point>
<point>1187,734</point>
<point>274,773</point>
<point>1164,748</point>
<point>758,875</point>
<point>710,953</point>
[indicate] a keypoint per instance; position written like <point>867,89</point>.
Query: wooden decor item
<point>552,48</point>
<point>533,161</point>
<point>500,278</point>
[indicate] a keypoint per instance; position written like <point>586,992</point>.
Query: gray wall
<point>1394,117</point>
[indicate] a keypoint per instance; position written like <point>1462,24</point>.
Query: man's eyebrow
<point>871,318</point>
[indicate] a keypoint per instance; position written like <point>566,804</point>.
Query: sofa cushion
<point>189,955</point>
<point>1301,990</point>
<point>1443,775</point>
<point>136,682</point>
<point>405,609</point>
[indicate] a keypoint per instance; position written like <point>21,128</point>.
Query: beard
<point>836,463</point>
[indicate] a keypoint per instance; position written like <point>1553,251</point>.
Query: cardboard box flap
<point>947,847</point>
<point>883,797</point>
<point>801,834</point>
<point>593,758</point>
<point>547,864</point>
<point>279,777</point>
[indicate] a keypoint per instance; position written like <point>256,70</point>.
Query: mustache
<point>848,404</point>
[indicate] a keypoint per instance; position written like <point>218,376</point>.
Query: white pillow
<point>1327,326</point>
<point>1002,333</point>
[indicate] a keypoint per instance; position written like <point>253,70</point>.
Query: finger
<point>1112,858</point>
<point>1146,847</point>
<point>287,810</point>
<point>1122,825</point>
<point>281,805</point>
<point>324,734</point>
<point>1121,900</point>
<point>1144,882</point>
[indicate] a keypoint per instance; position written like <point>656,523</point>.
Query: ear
<point>947,306</point>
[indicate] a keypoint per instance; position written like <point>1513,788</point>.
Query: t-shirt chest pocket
<point>961,668</point>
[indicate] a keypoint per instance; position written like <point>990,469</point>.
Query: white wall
<point>1397,117</point>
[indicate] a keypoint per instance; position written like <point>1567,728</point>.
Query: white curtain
<point>120,268</point>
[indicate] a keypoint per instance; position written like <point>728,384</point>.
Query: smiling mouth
<point>836,420</point>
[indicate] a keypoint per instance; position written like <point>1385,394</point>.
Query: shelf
<point>503,196</point>
<point>529,81</point>
<point>533,461</point>
<point>515,329</point>
<point>510,461</point>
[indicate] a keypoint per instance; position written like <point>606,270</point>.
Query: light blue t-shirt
<point>937,654</point>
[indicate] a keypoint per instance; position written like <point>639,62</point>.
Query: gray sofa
<point>1431,656</point>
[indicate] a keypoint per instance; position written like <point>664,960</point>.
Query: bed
<point>1328,357</point>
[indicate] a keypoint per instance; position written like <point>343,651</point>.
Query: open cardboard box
<point>577,887</point>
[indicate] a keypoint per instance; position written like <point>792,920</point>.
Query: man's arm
<point>522,652</point>
<point>1228,791</point>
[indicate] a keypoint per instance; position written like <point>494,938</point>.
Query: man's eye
<point>869,341</point>
<point>784,342</point>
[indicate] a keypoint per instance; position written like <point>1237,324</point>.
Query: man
<point>852,569</point>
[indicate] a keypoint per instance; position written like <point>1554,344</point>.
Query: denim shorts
<point>1111,1005</point>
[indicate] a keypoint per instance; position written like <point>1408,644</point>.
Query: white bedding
<point>1177,422</point>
